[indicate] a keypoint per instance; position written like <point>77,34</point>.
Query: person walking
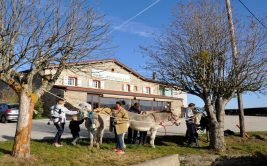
<point>120,122</point>
<point>191,128</point>
<point>132,134</point>
<point>58,115</point>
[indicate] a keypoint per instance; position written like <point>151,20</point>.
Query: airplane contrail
<point>133,17</point>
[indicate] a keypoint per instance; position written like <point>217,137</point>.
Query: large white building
<point>103,82</point>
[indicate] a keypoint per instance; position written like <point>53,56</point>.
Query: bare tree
<point>195,55</point>
<point>34,34</point>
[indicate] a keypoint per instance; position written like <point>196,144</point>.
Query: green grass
<point>43,153</point>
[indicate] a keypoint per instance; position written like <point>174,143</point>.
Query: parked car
<point>9,112</point>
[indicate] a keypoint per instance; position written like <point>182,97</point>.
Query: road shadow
<point>258,137</point>
<point>258,159</point>
<point>4,151</point>
<point>8,137</point>
<point>164,140</point>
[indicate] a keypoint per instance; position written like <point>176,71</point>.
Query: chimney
<point>154,76</point>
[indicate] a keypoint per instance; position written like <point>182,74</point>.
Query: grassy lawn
<point>43,153</point>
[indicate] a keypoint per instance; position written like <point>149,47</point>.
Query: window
<point>145,105</point>
<point>72,81</point>
<point>135,88</point>
<point>162,91</point>
<point>108,102</point>
<point>93,100</point>
<point>157,106</point>
<point>126,88</point>
<point>96,84</point>
<point>147,91</point>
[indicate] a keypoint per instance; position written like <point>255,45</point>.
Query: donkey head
<point>174,119</point>
<point>197,118</point>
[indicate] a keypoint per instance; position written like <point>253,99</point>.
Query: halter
<point>174,117</point>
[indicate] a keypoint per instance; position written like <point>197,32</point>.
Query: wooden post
<point>235,56</point>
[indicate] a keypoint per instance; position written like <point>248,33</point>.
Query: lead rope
<point>164,126</point>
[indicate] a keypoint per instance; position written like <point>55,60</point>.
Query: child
<point>75,128</point>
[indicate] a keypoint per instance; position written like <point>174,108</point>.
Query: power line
<point>252,14</point>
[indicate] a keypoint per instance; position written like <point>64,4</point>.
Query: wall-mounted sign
<point>110,75</point>
<point>178,94</point>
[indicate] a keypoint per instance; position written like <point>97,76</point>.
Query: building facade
<point>103,82</point>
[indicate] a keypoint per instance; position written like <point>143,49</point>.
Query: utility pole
<point>235,56</point>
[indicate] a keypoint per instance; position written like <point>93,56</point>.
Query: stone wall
<point>172,160</point>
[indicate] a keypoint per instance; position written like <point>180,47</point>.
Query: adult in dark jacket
<point>132,134</point>
<point>75,129</point>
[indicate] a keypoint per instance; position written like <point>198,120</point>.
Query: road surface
<point>41,130</point>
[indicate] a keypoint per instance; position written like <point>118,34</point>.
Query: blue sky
<point>126,39</point>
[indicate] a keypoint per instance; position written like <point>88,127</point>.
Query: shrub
<point>39,109</point>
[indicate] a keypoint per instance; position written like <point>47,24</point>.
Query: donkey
<point>100,122</point>
<point>204,125</point>
<point>95,125</point>
<point>151,122</point>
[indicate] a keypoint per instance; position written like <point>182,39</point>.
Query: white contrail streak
<point>133,17</point>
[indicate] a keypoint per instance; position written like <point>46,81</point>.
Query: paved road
<point>43,131</point>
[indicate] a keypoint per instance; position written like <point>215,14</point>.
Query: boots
<point>74,142</point>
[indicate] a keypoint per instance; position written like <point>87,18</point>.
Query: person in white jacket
<point>58,116</point>
<point>191,128</point>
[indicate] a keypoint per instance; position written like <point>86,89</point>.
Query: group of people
<point>119,124</point>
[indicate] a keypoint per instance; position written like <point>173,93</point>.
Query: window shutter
<point>151,90</point>
<point>144,89</point>
<point>125,88</point>
<point>79,82</point>
<point>65,81</point>
<point>102,84</point>
<point>132,88</point>
<point>90,83</point>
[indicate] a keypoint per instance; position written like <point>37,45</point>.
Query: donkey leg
<point>91,136</point>
<point>208,135</point>
<point>152,137</point>
<point>101,136</point>
<point>98,139</point>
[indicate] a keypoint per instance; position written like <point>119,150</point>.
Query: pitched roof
<point>131,71</point>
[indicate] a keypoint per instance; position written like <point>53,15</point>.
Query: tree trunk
<point>21,147</point>
<point>217,136</point>
<point>217,125</point>
<point>241,115</point>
